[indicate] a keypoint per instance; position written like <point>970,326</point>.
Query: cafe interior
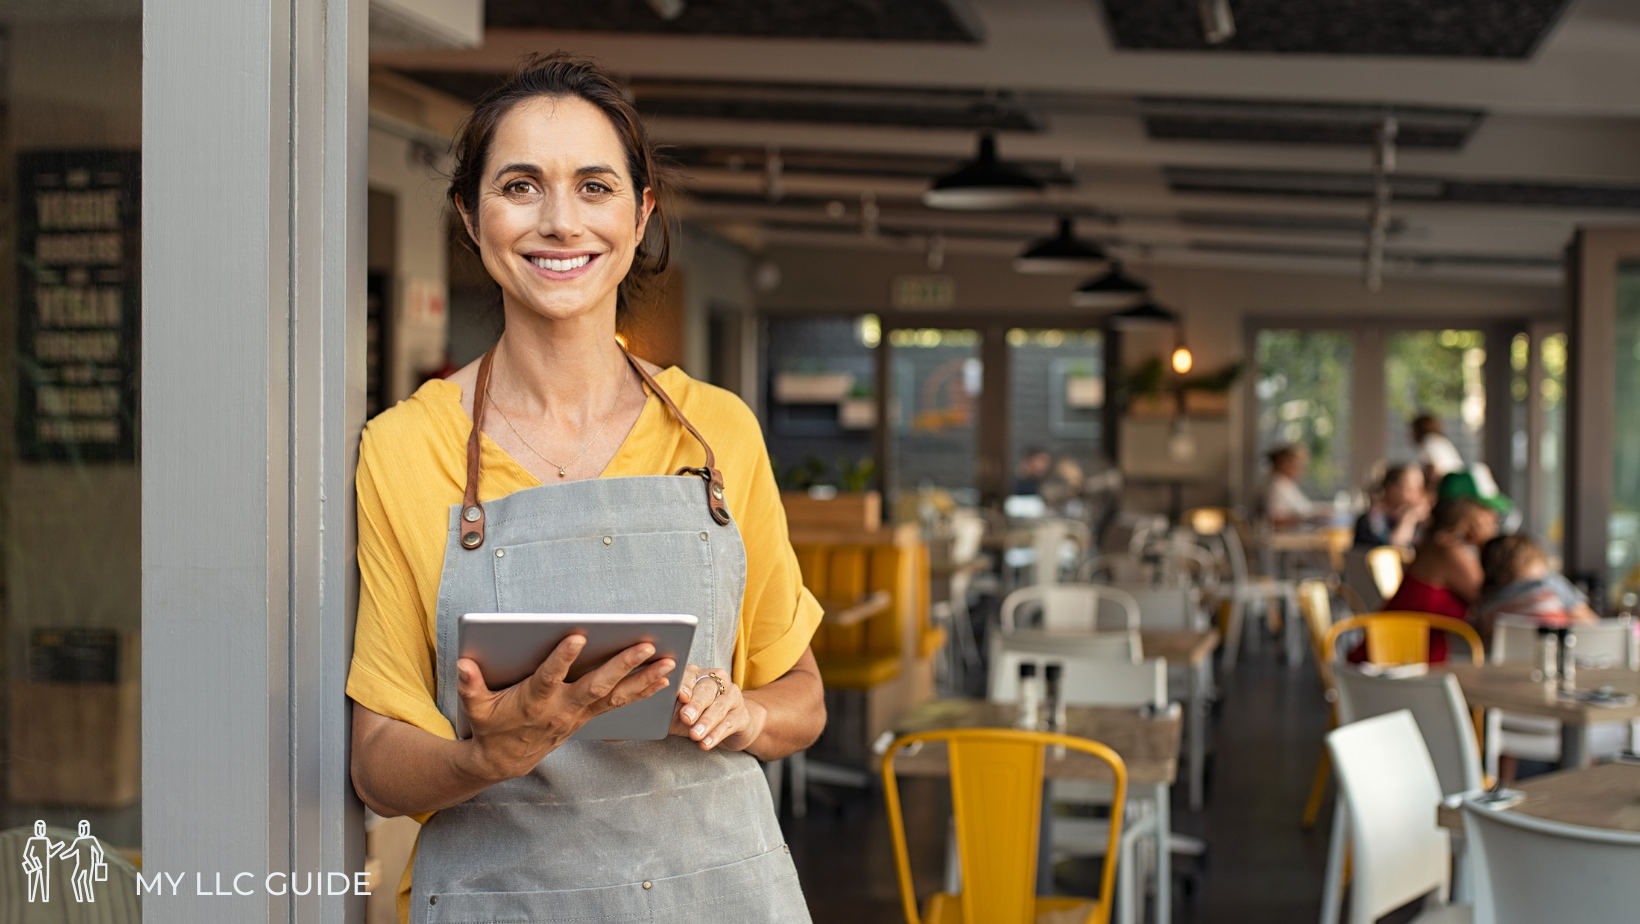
<point>1129,369</point>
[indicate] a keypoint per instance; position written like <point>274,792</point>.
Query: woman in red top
<point>1445,574</point>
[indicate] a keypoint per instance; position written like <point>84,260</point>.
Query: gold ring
<point>712,675</point>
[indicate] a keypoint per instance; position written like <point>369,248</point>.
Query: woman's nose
<point>560,217</point>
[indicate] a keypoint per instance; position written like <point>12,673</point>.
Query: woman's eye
<point>597,188</point>
<point>518,187</point>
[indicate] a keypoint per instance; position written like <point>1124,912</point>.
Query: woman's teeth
<point>561,266</point>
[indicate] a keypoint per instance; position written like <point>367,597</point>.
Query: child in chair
<point>1518,582</point>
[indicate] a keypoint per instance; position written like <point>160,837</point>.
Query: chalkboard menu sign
<point>79,305</point>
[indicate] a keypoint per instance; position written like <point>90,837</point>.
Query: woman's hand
<point>514,728</point>
<point>713,711</point>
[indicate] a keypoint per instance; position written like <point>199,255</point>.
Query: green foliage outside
<point>1303,389</point>
<point>1424,371</point>
<point>1624,523</point>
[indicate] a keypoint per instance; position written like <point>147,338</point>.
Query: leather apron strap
<point>472,511</point>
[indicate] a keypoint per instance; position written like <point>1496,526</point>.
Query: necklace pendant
<point>561,474</point>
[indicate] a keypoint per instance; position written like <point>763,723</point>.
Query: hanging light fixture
<point>1112,290</point>
<point>983,183</point>
<point>1062,253</point>
<point>1146,315</point>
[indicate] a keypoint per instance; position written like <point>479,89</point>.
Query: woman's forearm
<point>399,769</point>
<point>794,711</point>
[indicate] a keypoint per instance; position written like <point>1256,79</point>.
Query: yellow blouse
<point>412,468</point>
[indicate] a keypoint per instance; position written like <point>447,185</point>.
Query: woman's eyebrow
<point>516,168</point>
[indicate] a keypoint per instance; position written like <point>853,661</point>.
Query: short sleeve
<point>392,671</point>
<point>778,615</point>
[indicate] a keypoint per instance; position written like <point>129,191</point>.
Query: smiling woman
<point>557,190</point>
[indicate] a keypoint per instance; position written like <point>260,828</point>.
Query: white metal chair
<point>1389,793</point>
<point>1008,649</point>
<point>1515,640</point>
<point>1074,607</point>
<point>1531,870</point>
<point>1437,705</point>
<point>1359,577</point>
<point>1168,608</point>
<point>1246,592</point>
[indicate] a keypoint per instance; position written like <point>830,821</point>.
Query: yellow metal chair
<point>996,798</point>
<point>1402,636</point>
<point>1385,563</point>
<point>1315,603</point>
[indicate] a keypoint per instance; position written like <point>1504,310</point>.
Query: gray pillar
<point>252,372</point>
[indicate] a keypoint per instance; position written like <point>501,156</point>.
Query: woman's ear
<point>469,221</point>
<point>646,207</point>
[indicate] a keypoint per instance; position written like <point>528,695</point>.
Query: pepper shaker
<point>1030,696</point>
<point>1547,654</point>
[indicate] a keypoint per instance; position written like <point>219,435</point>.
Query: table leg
<point>1292,627</point>
<point>1332,885</point>
<point>1574,745</point>
<point>1200,678</point>
<point>1164,855</point>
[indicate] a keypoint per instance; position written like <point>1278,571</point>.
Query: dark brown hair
<point>1506,558</point>
<point>559,75</point>
<point>1452,513</point>
<point>1425,424</point>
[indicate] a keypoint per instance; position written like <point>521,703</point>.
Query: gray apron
<point>630,831</point>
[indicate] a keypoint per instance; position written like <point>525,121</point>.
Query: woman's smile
<point>561,267</point>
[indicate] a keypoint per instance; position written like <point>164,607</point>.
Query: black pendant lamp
<point>984,183</point>
<point>1114,289</point>
<point>1147,315</point>
<point>1062,253</point>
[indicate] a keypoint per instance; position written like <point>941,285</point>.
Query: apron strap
<point>709,473</point>
<point>472,511</point>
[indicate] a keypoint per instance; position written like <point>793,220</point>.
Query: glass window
<point>70,585</point>
<point>1056,392</point>
<point>1549,506</point>
<point>1623,549</point>
<point>1437,372</point>
<point>822,400</point>
<point>935,408</point>
<point>1303,390</point>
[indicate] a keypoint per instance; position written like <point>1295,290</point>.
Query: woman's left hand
<point>713,712</point>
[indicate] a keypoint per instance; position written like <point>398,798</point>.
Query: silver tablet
<point>509,647</point>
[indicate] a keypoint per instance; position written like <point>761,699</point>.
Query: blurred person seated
<point>1475,482</point>
<point>1444,576</point>
<point>1398,511</point>
<point>1033,466</point>
<point>1436,453</point>
<point>1061,488</point>
<point>1281,502</point>
<point>1519,583</point>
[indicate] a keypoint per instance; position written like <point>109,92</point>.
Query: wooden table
<point>850,611</point>
<point>1604,796</point>
<point>1147,744</point>
<point>1510,687</point>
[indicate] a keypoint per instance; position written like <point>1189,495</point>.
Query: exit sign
<point>922,293</point>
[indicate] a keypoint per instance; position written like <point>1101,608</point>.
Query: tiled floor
<point>1261,867</point>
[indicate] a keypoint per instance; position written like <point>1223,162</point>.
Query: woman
<point>1398,513</point>
<point>1282,502</point>
<point>560,474</point>
<point>1444,576</point>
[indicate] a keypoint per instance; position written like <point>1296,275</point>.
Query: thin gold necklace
<point>563,470</point>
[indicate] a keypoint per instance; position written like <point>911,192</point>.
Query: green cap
<point>1476,484</point>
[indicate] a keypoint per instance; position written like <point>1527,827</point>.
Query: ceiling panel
<point>880,20</point>
<point>1440,28</point>
<point>1404,186</point>
<point>1290,122</point>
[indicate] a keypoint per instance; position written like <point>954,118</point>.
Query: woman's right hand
<point>515,727</point>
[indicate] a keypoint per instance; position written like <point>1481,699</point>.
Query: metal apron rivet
<point>500,553</point>
<point>432,899</point>
<point>608,540</point>
<point>648,885</point>
<point>704,536</point>
<point>717,491</point>
<point>471,540</point>
<point>471,514</point>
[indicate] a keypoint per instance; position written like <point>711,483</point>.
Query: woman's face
<point>557,218</point>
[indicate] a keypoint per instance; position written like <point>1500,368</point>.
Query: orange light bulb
<point>1182,360</point>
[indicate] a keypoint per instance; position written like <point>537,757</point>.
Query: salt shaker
<point>1053,680</point>
<point>1030,696</point>
<point>1567,641</point>
<point>1548,653</point>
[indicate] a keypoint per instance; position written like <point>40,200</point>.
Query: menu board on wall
<point>78,300</point>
